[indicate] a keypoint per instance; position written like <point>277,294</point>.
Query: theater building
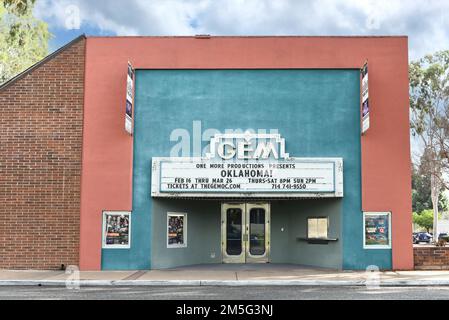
<point>135,153</point>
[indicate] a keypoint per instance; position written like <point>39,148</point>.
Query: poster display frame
<point>104,233</point>
<point>367,215</point>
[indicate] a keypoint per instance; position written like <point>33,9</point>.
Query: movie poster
<point>176,232</point>
<point>116,230</point>
<point>377,230</point>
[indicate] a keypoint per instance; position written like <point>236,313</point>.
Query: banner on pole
<point>129,100</point>
<point>365,99</point>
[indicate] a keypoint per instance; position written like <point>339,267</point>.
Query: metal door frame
<point>258,258</point>
<point>246,256</point>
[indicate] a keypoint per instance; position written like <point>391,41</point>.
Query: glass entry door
<point>245,232</point>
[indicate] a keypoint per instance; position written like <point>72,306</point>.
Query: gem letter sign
<point>243,165</point>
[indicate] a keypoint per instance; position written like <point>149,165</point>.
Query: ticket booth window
<point>317,228</point>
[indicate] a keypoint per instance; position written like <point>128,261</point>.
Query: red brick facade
<point>431,258</point>
<point>40,163</point>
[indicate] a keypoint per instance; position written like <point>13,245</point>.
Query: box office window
<point>317,228</point>
<point>176,230</point>
<point>377,230</point>
<point>116,230</point>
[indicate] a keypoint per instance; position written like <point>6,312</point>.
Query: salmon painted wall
<point>107,149</point>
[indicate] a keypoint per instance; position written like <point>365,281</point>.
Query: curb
<point>231,283</point>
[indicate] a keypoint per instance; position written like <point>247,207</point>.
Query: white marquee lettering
<point>226,155</point>
<point>244,165</point>
<point>264,150</point>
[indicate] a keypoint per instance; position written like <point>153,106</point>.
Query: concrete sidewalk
<point>228,275</point>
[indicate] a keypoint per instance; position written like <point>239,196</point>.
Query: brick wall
<point>431,258</point>
<point>40,163</point>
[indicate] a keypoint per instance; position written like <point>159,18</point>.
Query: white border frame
<point>318,217</point>
<point>390,230</point>
<point>185,228</point>
<point>103,234</point>
<point>156,192</point>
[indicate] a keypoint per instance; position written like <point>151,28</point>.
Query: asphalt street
<point>224,293</point>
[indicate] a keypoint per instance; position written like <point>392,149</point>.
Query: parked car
<point>422,237</point>
<point>443,236</point>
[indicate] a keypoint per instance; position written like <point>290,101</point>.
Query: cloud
<point>424,22</point>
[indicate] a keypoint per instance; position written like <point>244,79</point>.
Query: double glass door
<point>245,232</point>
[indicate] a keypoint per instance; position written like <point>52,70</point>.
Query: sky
<point>426,22</point>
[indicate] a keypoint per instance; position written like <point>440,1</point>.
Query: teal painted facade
<point>316,111</point>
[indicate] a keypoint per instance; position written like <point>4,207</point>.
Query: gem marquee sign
<point>247,166</point>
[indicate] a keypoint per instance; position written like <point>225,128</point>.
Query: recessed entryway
<point>245,232</point>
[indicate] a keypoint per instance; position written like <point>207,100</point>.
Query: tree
<point>23,38</point>
<point>421,199</point>
<point>424,219</point>
<point>429,101</point>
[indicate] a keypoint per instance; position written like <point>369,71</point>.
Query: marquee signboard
<point>242,165</point>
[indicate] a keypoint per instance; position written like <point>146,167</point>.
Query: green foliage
<point>429,85</point>
<point>429,103</point>
<point>421,193</point>
<point>424,219</point>
<point>23,38</point>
